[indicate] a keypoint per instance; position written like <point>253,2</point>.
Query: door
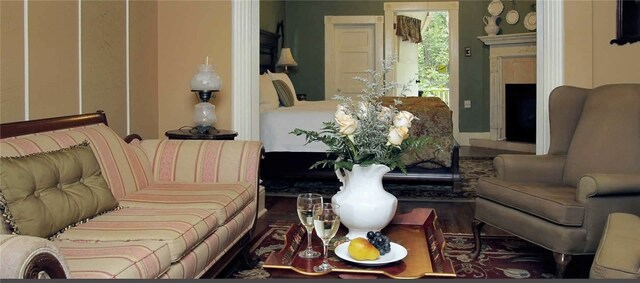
<point>434,61</point>
<point>353,44</point>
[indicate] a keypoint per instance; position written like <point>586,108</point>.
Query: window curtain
<point>409,29</point>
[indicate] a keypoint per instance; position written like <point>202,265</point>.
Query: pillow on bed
<point>285,95</point>
<point>268,95</point>
<point>285,78</point>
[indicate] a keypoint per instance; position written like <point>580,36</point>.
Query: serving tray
<point>417,231</point>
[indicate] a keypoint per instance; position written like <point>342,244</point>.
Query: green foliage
<point>433,53</point>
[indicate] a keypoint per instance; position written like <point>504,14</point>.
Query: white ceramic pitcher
<point>364,204</point>
<point>491,28</point>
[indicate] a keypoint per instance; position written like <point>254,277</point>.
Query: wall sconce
<point>204,83</point>
<point>286,59</point>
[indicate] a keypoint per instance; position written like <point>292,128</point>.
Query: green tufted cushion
<point>43,193</point>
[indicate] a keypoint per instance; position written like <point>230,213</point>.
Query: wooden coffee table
<point>417,231</point>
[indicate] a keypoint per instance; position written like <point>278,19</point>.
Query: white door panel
<point>354,61</point>
<point>354,36</point>
<point>353,44</point>
<point>354,51</point>
<point>348,85</point>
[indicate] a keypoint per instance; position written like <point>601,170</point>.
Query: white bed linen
<point>276,125</point>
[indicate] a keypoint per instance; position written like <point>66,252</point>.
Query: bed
<point>276,124</point>
<point>287,155</point>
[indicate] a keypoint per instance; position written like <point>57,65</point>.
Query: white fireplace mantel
<point>502,49</point>
<point>516,38</point>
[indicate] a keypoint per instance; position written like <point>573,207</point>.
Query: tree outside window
<point>433,56</point>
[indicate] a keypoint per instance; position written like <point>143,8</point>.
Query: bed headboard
<point>269,48</point>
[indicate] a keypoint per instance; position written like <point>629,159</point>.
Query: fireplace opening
<point>520,112</point>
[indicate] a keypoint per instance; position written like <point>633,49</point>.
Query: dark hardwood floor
<point>453,217</point>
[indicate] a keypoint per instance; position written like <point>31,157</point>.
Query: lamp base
<point>203,130</point>
<point>205,95</point>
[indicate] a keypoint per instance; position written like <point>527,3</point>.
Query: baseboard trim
<point>465,137</point>
<point>262,212</point>
<point>261,201</point>
<point>504,145</point>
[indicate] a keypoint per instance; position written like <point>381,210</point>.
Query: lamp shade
<point>286,59</point>
<point>206,78</point>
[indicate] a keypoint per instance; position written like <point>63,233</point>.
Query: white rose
<point>384,111</point>
<point>346,123</point>
<point>403,119</point>
<point>397,135</point>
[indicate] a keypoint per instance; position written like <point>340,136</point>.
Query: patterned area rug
<point>470,169</point>
<point>501,257</point>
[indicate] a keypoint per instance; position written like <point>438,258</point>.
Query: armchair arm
<point>530,168</point>
<point>26,257</point>
<point>203,161</point>
<point>591,185</point>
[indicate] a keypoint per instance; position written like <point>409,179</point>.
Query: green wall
<point>304,34</point>
<point>474,70</point>
<point>271,12</point>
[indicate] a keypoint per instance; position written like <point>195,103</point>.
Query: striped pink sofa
<point>186,207</point>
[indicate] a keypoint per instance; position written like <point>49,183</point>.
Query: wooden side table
<point>192,134</point>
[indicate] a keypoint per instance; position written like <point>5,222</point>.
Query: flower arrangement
<point>366,132</point>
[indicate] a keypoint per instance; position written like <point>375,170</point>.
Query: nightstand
<point>192,134</point>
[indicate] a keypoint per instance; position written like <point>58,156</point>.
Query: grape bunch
<point>381,242</point>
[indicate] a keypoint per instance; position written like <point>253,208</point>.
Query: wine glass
<point>305,213</point>
<point>326,222</point>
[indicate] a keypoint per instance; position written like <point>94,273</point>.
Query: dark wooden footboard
<point>295,165</point>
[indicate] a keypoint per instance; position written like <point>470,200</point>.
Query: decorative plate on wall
<point>495,7</point>
<point>512,17</point>
<point>530,21</point>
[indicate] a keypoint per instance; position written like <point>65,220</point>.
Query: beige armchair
<point>561,200</point>
<point>618,255</point>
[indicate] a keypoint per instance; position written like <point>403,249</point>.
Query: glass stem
<point>326,254</point>
<point>309,231</point>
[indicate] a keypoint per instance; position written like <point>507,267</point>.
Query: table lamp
<point>204,83</point>
<point>286,59</point>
